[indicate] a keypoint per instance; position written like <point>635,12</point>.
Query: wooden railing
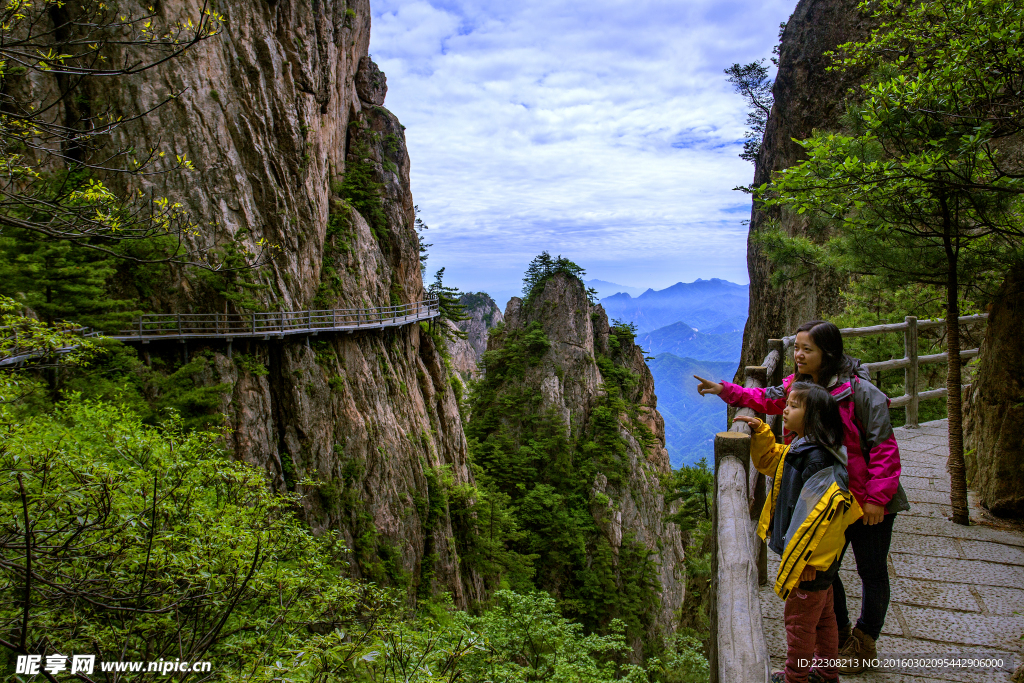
<point>275,323</point>
<point>739,652</point>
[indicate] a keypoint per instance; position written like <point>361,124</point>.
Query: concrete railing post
<point>910,374</point>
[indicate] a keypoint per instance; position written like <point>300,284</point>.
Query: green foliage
<point>917,186</point>
<point>871,300</point>
<point>61,281</point>
<point>526,639</point>
<point>337,247</point>
<point>421,227</point>
<point>234,282</point>
<point>542,268</point>
<point>252,364</point>
<point>360,188</point>
<point>146,540</point>
<point>187,393</point>
<point>693,486</point>
<point>476,301</point>
<point>30,335</point>
<point>60,190</point>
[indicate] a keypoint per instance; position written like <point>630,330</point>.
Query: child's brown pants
<point>810,630</point>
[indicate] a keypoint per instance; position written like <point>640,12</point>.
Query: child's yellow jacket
<point>817,531</point>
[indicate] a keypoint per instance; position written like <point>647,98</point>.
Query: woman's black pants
<point>871,551</point>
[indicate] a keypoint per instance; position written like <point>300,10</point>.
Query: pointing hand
<point>706,386</point>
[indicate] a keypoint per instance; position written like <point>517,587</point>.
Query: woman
<point>874,470</point>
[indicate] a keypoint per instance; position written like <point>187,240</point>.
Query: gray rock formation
<point>467,353</point>
<point>570,382</point>
<point>807,97</point>
<point>994,409</point>
<point>371,83</point>
<point>275,113</point>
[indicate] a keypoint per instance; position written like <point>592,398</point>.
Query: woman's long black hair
<point>822,422</point>
<point>834,360</point>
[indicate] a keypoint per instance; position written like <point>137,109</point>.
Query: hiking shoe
<point>814,676</point>
<point>778,677</point>
<point>844,635</point>
<point>859,653</point>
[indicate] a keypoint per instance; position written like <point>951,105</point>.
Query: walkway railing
<point>739,653</point>
<point>275,323</point>
<point>184,326</point>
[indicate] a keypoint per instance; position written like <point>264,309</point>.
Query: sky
<point>604,131</point>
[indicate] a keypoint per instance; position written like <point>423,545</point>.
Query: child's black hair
<point>822,422</point>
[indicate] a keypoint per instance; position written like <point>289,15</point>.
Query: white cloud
<point>601,130</point>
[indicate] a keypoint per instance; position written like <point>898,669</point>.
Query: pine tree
<point>60,281</point>
<point>449,306</point>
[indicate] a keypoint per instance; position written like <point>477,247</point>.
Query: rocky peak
<point>484,315</point>
<point>994,405</point>
<point>588,366</point>
<point>371,83</point>
<point>807,97</point>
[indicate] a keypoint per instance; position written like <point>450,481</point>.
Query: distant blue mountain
<point>703,303</point>
<point>691,420</point>
<point>605,288</point>
<point>731,325</point>
<point>682,340</point>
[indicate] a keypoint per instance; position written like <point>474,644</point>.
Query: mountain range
<point>691,420</point>
<point>720,343</point>
<point>690,328</point>
<point>702,303</point>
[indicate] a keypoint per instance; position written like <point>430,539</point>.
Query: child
<point>804,520</point>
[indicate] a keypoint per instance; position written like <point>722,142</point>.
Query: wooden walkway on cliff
<point>183,327</point>
<point>957,592</point>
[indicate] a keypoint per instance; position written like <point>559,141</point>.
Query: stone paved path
<point>956,590</point>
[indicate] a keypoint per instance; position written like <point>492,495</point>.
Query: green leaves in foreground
<point>134,542</point>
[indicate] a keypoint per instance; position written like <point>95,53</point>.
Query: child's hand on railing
<point>706,386</point>
<point>753,422</point>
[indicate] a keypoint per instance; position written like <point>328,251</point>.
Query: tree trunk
<point>954,397</point>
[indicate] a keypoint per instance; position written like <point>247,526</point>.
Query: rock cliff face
<point>807,97</point>
<point>282,117</point>
<point>484,315</point>
<point>994,409</point>
<point>570,382</point>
